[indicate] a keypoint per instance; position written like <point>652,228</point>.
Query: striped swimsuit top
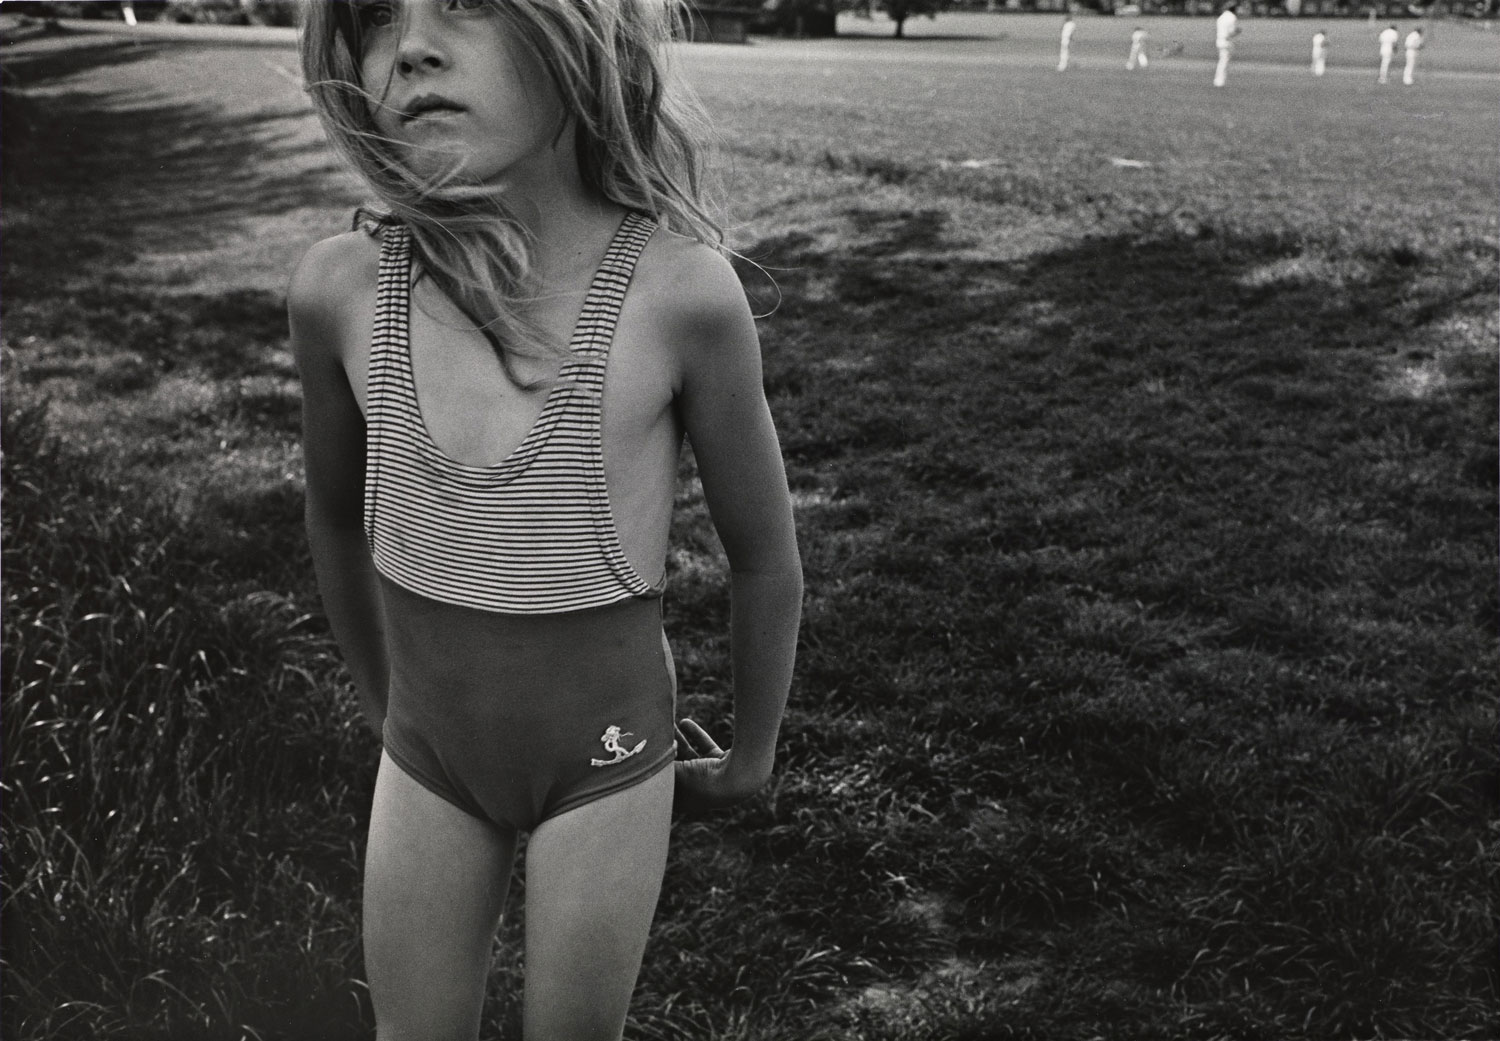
<point>531,534</point>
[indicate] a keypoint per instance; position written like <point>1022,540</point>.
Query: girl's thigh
<point>435,883</point>
<point>593,875</point>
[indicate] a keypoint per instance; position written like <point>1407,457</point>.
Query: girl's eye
<point>376,15</point>
<point>466,5</point>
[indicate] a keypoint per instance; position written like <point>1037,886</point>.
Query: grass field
<point>1102,42</point>
<point>1143,440</point>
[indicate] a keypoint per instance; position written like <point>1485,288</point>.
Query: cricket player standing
<point>1137,49</point>
<point>1225,30</point>
<point>1388,37</point>
<point>1413,45</point>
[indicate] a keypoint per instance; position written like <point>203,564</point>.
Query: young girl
<point>497,376</point>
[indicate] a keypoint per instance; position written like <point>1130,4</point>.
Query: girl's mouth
<point>430,106</point>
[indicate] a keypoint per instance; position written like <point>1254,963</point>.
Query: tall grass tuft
<point>174,759</point>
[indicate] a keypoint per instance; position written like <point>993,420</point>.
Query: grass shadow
<point>105,191</point>
<point>1151,529</point>
<point>1231,388</point>
<point>87,154</point>
<point>61,55</point>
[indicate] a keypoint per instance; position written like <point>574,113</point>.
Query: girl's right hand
<point>708,777</point>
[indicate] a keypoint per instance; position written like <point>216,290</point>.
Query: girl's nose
<point>420,49</point>
<point>417,56</point>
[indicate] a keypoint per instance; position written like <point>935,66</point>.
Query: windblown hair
<point>639,143</point>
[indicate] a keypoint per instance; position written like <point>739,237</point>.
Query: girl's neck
<point>567,223</point>
<point>569,237</point>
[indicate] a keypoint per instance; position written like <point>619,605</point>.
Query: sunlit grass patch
<point>955,997</point>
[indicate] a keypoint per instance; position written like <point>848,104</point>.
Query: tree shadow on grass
<point>1265,327</point>
<point>122,341</point>
<point>93,182</point>
<point>150,172</point>
<point>1065,498</point>
<point>1218,422</point>
<point>42,64</point>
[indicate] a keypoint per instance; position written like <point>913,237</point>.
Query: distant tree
<point>901,10</point>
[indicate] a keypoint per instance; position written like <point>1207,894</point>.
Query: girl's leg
<point>435,882</point>
<point>592,878</point>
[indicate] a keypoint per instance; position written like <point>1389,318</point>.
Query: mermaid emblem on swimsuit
<point>611,741</point>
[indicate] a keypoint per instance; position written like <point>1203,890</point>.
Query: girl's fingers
<point>685,749</point>
<point>701,740</point>
<point>697,739</point>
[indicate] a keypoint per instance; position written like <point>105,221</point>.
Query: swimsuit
<point>528,669</point>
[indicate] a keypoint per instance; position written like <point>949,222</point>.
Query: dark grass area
<point>1146,686</point>
<point>1183,591</point>
<point>179,805</point>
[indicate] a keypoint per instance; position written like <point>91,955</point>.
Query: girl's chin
<point>434,164</point>
<point>456,165</point>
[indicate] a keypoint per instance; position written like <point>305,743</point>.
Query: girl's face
<point>454,86</point>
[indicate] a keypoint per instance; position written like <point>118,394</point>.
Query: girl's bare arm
<point>723,407</point>
<point>333,446</point>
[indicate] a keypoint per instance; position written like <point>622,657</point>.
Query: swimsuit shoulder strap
<point>601,307</point>
<point>387,348</point>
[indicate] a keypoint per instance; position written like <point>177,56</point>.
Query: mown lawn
<point>1148,511</point>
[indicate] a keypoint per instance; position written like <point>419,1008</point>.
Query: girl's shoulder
<point>692,290</point>
<point>333,287</point>
<point>699,271</point>
<point>335,268</point>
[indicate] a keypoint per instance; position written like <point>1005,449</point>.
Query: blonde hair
<point>639,141</point>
